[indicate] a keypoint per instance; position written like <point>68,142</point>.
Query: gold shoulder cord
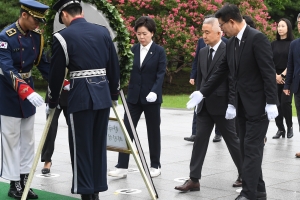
<point>41,51</point>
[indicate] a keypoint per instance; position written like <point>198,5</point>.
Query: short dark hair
<point>73,9</point>
<point>146,21</point>
<point>289,34</point>
<point>249,21</point>
<point>229,11</point>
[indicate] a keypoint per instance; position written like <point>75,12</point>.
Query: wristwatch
<point>283,76</point>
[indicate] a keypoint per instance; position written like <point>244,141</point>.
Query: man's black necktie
<point>211,50</point>
<point>237,51</point>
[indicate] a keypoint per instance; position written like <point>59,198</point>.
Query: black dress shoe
<point>238,182</point>
<point>290,133</point>
<point>278,134</point>
<point>190,139</point>
<point>217,138</point>
<point>240,197</point>
<point>188,185</point>
<point>46,170</point>
<point>261,196</point>
<point>87,196</point>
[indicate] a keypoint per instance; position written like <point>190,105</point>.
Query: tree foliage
<point>179,23</point>
<point>9,10</point>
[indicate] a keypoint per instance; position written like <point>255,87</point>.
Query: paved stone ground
<point>280,167</point>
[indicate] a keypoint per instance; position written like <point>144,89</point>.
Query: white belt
<point>25,75</point>
<point>87,73</point>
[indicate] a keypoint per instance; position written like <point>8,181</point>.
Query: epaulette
<point>37,30</point>
<point>11,32</point>
<point>58,30</point>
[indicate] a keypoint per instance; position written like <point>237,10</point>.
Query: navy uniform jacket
<point>292,80</point>
<point>19,52</point>
<point>149,77</point>
<point>89,46</point>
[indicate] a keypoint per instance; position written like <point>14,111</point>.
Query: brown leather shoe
<point>297,155</point>
<point>188,185</point>
<point>238,182</point>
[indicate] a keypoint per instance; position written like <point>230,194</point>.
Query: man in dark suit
<point>88,51</point>
<point>292,80</point>
<point>193,76</point>
<point>249,61</point>
<point>212,110</point>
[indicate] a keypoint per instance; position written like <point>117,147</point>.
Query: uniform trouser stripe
<point>74,155</point>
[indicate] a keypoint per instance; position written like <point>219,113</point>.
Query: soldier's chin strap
<point>63,44</point>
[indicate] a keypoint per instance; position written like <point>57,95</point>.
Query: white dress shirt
<point>143,51</point>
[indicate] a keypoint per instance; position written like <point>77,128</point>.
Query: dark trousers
<point>48,148</point>
<point>205,125</point>
<point>297,104</point>
<point>152,116</point>
<point>252,131</point>
<point>284,109</point>
<point>194,126</point>
<point>87,141</point>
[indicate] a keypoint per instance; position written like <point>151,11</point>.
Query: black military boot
<point>31,194</point>
<point>87,197</point>
<point>15,190</point>
<point>96,196</point>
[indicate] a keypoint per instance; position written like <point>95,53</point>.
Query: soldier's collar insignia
<point>11,32</point>
<point>20,28</point>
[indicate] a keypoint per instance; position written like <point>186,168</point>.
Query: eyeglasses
<point>220,25</point>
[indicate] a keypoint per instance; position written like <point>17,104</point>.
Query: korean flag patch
<point>3,45</point>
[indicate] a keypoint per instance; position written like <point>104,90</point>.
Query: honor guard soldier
<point>21,48</point>
<point>88,52</point>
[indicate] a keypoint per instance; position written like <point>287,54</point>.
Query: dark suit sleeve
<point>231,94</point>
<point>57,73</point>
<point>264,57</point>
<point>113,69</point>
<point>290,68</point>
<point>161,70</point>
<point>199,73</point>
<point>216,79</point>
<point>195,62</point>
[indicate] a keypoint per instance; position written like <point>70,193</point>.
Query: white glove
<point>66,85</point>
<point>151,97</point>
<point>48,110</point>
<point>35,99</point>
<point>115,102</point>
<point>230,112</point>
<point>272,111</point>
<point>195,98</point>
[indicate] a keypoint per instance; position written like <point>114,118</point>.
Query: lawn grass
<point>173,101</point>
